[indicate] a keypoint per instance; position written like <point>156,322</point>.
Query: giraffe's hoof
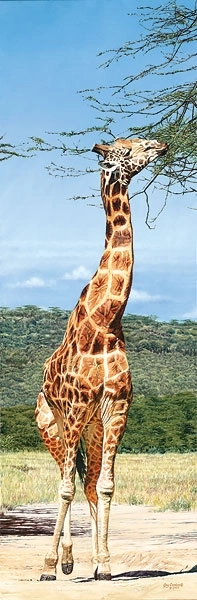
<point>104,576</point>
<point>67,568</point>
<point>47,577</point>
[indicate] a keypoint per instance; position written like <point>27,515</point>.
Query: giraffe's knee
<point>67,490</point>
<point>105,488</point>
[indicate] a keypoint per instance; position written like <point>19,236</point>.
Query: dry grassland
<point>162,481</point>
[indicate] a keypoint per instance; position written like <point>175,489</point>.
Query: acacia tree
<point>8,150</point>
<point>160,99</point>
<point>169,112</point>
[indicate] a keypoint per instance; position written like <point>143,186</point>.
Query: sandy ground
<point>152,555</point>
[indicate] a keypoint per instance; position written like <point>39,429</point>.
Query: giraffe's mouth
<point>101,149</point>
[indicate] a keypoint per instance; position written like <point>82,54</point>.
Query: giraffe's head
<point>125,158</point>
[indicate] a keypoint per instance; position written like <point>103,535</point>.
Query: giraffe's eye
<point>128,153</point>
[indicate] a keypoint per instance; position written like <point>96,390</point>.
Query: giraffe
<point>87,386</point>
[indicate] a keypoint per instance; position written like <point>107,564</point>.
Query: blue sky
<point>50,245</point>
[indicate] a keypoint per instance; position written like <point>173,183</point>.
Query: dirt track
<point>148,552</point>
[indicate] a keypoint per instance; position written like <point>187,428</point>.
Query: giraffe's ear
<point>102,149</point>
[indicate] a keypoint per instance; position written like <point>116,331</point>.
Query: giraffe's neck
<point>119,232</point>
<point>118,239</point>
<point>105,297</point>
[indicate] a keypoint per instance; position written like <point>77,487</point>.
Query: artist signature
<point>172,586</point>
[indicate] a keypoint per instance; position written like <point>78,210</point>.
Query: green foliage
<point>161,357</point>
<point>9,150</point>
<point>159,99</point>
<point>161,424</point>
<point>19,430</point>
<point>164,424</point>
<point>28,336</point>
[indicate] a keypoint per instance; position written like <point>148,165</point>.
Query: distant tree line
<point>164,424</point>
<point>161,424</point>
<point>161,357</point>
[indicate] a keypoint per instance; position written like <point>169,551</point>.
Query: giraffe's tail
<point>81,461</point>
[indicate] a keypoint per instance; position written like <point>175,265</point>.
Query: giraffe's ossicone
<point>87,388</point>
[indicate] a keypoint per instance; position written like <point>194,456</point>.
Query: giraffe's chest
<point>83,376</point>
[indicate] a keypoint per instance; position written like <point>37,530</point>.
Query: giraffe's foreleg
<point>67,556</point>
<point>49,432</point>
<point>67,491</point>
<point>113,431</point>
<point>51,559</point>
<point>66,494</point>
<point>104,568</point>
<point>93,436</point>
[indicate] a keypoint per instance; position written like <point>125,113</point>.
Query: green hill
<point>162,361</point>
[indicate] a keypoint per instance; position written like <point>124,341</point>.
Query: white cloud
<point>142,296</point>
<point>32,282</point>
<point>80,272</point>
<point>30,254</point>
<point>191,314</point>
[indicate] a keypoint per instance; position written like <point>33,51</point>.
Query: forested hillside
<point>161,357</point>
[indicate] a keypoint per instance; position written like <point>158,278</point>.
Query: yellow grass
<point>166,481</point>
<point>163,481</point>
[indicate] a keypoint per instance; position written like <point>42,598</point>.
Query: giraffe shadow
<point>36,523</point>
<point>138,574</point>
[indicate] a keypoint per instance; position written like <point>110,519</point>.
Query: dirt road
<point>153,555</point>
